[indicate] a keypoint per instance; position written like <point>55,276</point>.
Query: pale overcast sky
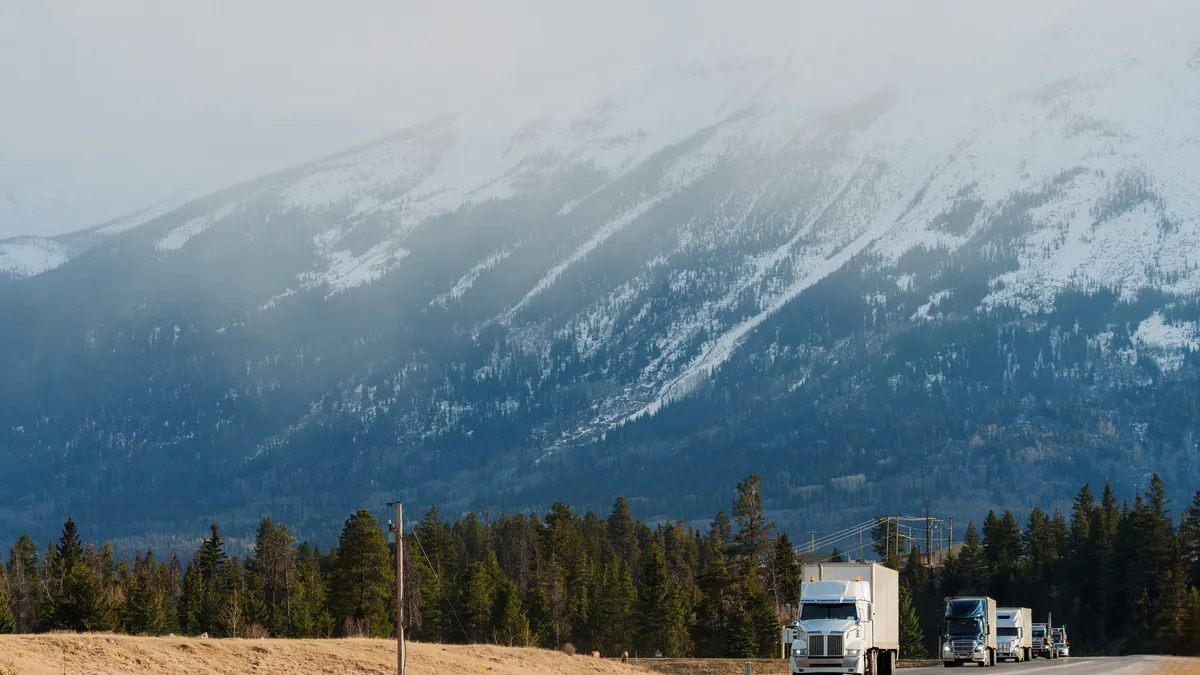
<point>111,106</point>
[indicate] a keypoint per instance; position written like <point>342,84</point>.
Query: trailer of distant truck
<point>1014,634</point>
<point>970,631</point>
<point>847,621</point>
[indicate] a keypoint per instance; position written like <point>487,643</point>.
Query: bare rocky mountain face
<point>969,285</point>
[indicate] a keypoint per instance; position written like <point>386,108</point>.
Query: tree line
<point>1123,578</point>
<point>611,584</point>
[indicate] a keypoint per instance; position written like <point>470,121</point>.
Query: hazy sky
<point>111,106</point>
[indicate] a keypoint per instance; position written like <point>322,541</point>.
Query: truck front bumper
<point>964,657</point>
<point>845,664</point>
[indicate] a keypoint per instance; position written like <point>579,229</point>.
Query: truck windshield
<point>810,612</point>
<point>1039,632</point>
<point>962,627</point>
<point>1007,631</point>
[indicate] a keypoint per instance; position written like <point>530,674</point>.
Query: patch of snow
<point>176,238</point>
<point>345,270</point>
<point>1166,341</point>
<point>141,217</point>
<point>25,257</point>
<point>934,300</point>
<point>465,283</point>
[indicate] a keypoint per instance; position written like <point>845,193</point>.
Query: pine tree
<point>23,587</point>
<point>310,616</point>
<point>676,619</point>
<point>651,633</point>
<point>1189,539</point>
<point>718,602</point>
<point>764,621</point>
<point>8,624</point>
<point>78,606</point>
<point>912,638</point>
<point>622,533</point>
<point>613,613</point>
<point>785,573</point>
<point>1189,640</point>
<point>477,595</point>
<point>741,643</point>
<point>192,619</point>
<point>754,531</point>
<point>971,564</point>
<point>363,576</point>
<point>70,549</point>
<point>722,528</point>
<point>271,570</point>
<point>512,626</point>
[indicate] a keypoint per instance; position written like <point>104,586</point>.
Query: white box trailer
<point>1014,633</point>
<point>848,619</point>
<point>970,631</point>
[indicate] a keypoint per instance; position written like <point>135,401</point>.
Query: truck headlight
<point>946,648</point>
<point>978,648</point>
<point>800,651</point>
<point>853,652</point>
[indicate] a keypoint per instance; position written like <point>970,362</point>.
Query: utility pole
<point>860,531</point>
<point>398,528</point>
<point>928,539</point>
<point>951,538</point>
<point>812,538</point>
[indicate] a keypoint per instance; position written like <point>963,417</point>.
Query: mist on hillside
<point>114,107</point>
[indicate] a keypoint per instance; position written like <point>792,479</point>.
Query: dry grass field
<point>108,654</point>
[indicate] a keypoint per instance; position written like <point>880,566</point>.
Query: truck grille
<point>834,645</point>
<point>964,646</point>
<point>816,645</point>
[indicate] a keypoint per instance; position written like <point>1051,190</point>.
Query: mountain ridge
<point>704,270</point>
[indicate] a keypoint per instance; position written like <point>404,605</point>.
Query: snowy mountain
<point>976,282</point>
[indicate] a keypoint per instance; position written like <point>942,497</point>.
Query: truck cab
<point>1014,641</point>
<point>1043,642</point>
<point>847,621</point>
<point>970,632</point>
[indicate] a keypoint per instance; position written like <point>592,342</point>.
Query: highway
<point>1128,665</point>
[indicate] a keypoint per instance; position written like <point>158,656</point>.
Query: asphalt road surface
<point>1128,665</point>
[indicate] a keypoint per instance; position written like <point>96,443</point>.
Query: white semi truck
<point>848,620</point>
<point>970,632</point>
<point>1014,633</point>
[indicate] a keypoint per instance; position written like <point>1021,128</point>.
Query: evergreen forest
<point>1123,577</point>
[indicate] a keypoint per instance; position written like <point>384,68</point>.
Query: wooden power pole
<point>398,528</point>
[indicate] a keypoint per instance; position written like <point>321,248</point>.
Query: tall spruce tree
<point>622,532</point>
<point>784,572</point>
<point>363,577</point>
<point>912,637</point>
<point>718,602</point>
<point>651,634</point>
<point>972,567</point>
<point>754,530</point>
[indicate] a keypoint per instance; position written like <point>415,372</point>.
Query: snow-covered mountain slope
<point>940,274</point>
<point>25,256</point>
